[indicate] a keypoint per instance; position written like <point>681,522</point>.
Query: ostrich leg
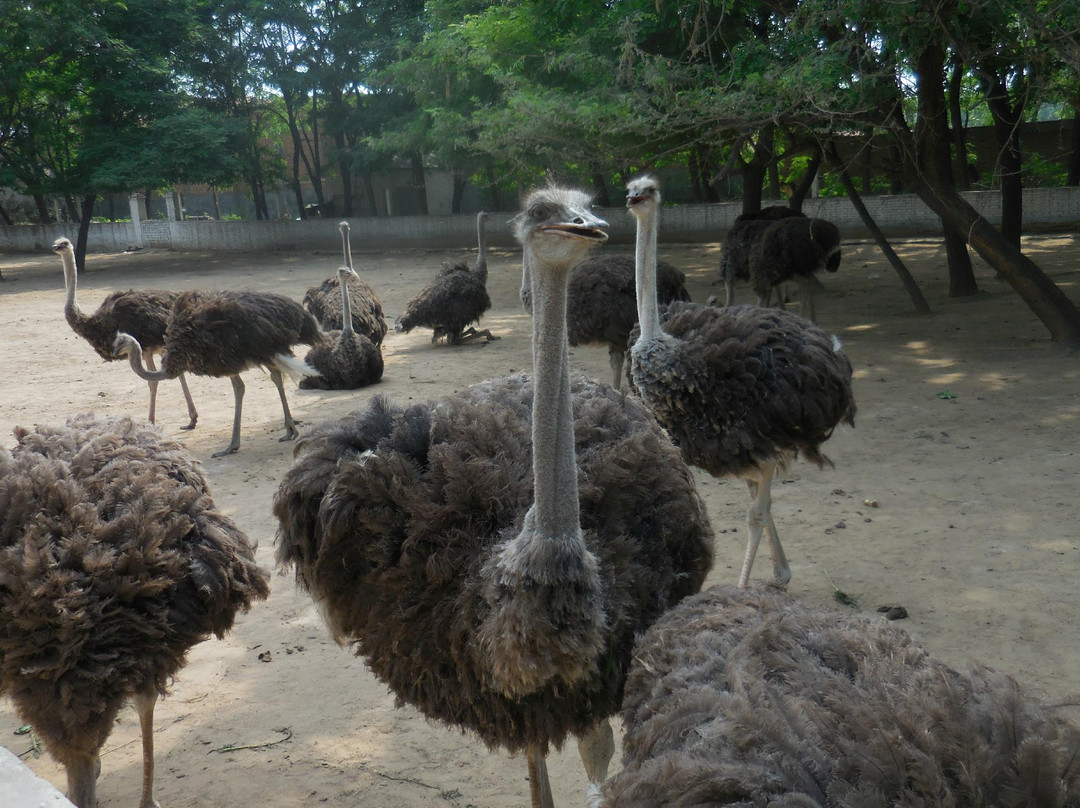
<point>596,748</point>
<point>539,785</point>
<point>758,518</point>
<point>238,406</point>
<point>144,706</point>
<point>193,414</point>
<point>148,358</point>
<point>806,299</point>
<point>615,359</point>
<point>290,425</point>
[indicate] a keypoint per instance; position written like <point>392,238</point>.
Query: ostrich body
<point>325,301</point>
<point>344,360</point>
<point>114,563</point>
<point>453,301</point>
<point>225,333</point>
<point>740,238</point>
<point>491,577</point>
<point>601,304</point>
<point>741,389</point>
<point>793,249</point>
<point>740,697</point>
<point>144,313</point>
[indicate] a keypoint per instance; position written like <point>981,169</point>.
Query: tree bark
<point>910,286</point>
<point>959,136</point>
<point>42,209</point>
<point>1007,128</point>
<point>87,205</point>
<point>493,188</point>
<point>932,159</point>
<point>460,181</point>
<point>419,182</point>
<point>1074,140</point>
<point>754,171</point>
<point>4,215</point>
<point>806,181</point>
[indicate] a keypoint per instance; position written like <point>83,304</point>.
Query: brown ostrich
<point>345,359</point>
<point>492,576</point>
<point>453,301</point>
<point>742,389</point>
<point>740,237</point>
<point>325,303</point>
<point>225,333</point>
<point>794,249</point>
<point>743,697</point>
<point>114,563</point>
<point>144,313</point>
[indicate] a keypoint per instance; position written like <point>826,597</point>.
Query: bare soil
<point>955,496</point>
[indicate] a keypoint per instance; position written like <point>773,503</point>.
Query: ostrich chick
<point>492,576</point>
<point>114,563</point>
<point>741,389</point>
<point>144,313</point>
<point>225,333</point>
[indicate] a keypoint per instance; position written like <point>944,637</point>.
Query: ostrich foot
<point>191,424</point>
<point>228,450</point>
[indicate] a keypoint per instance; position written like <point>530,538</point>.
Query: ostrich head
<point>344,273</point>
<point>125,345</point>
<point>642,195</point>
<point>62,245</point>
<point>557,223</point>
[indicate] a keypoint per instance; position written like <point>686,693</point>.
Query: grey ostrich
<point>325,302</point>
<point>742,389</point>
<point>225,333</point>
<point>739,697</point>
<point>794,249</point>
<point>114,563</point>
<point>345,359</point>
<point>601,304</point>
<point>489,576</point>
<point>453,301</point>
<point>740,237</point>
<point>143,313</point>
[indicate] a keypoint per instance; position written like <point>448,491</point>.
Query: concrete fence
<point>902,215</point>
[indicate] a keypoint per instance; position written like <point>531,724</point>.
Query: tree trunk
<point>419,182</point>
<point>345,174</point>
<point>1007,128</point>
<point>42,209</point>
<point>4,215</point>
<point>806,181</point>
<point>369,192</point>
<point>87,205</point>
<point>932,159</point>
<point>1074,140</point>
<point>754,171</point>
<point>1038,291</point>
<point>912,288</point>
<point>460,181</point>
<point>493,188</point>
<point>959,136</point>
<point>603,198</point>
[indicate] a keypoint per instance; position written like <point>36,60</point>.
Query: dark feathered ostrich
<point>794,249</point>
<point>114,563</point>
<point>144,313</point>
<point>738,697</point>
<point>344,360</point>
<point>453,301</point>
<point>601,304</point>
<point>325,301</point>
<point>741,390</point>
<point>491,578</point>
<point>224,334</point>
<point>740,237</point>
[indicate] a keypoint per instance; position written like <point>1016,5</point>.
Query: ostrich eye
<point>538,212</point>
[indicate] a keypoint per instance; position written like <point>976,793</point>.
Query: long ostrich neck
<point>481,253</point>
<point>645,273</point>
<point>72,313</point>
<point>555,491</point>
<point>346,248</point>
<point>135,358</point>
<point>346,305</point>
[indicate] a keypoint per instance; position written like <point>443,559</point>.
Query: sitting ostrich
<point>794,249</point>
<point>345,359</point>
<point>114,563</point>
<point>493,578</point>
<point>143,313</point>
<point>453,301</point>
<point>601,303</point>
<point>740,237</point>
<point>740,697</point>
<point>741,389</point>
<point>225,333</point>
<point>325,302</point>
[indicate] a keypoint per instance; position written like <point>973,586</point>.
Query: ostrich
<point>735,248</point>
<point>793,249</point>
<point>344,360</point>
<point>456,298</point>
<point>493,599</point>
<point>225,333</point>
<point>325,301</point>
<point>741,697</point>
<point>143,313</point>
<point>741,390</point>
<point>114,563</point>
<point>601,305</point>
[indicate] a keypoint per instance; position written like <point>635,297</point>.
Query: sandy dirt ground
<point>955,496</point>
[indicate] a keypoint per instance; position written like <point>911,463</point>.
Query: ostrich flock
<point>522,560</point>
